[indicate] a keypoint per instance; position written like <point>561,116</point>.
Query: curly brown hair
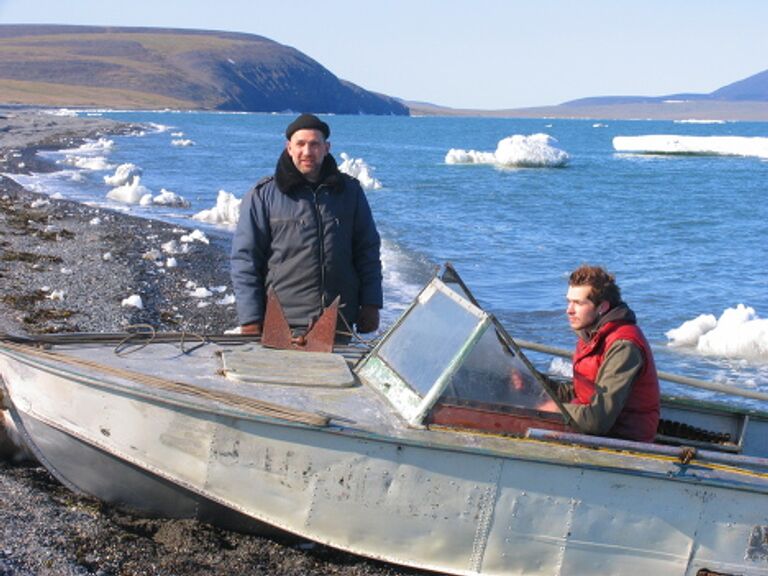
<point>603,284</point>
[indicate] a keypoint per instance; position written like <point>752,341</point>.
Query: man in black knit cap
<point>308,233</point>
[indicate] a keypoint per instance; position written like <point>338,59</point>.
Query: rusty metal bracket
<point>277,333</point>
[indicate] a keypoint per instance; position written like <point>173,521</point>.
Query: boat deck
<point>336,394</point>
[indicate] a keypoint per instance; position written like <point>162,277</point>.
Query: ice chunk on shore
<point>133,301</point>
<point>516,151</point>
<point>123,174</point>
<point>57,295</point>
<point>358,168</point>
<point>94,163</point>
<point>201,292</point>
<point>737,333</point>
<point>92,147</point>
<point>227,300</point>
<point>195,235</point>
<point>226,212</point>
<point>693,145</point>
<point>168,198</point>
<point>131,193</point>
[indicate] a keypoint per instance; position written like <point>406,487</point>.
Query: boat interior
<point>446,365</point>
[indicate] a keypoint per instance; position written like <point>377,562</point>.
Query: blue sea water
<point>685,235</point>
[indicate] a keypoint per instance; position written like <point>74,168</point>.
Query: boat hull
<point>498,506</point>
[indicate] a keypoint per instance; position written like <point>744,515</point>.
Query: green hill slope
<point>92,66</point>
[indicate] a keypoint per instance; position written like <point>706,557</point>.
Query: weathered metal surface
<point>454,503</point>
<point>277,333</point>
<point>269,366</point>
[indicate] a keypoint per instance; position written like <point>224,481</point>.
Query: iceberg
<point>737,333</point>
<point>693,145</point>
<point>517,151</point>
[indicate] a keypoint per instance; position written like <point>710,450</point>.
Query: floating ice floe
<point>133,301</point>
<point>696,121</point>
<point>123,174</point>
<point>693,145</point>
<point>517,151</point>
<point>226,212</point>
<point>182,142</point>
<point>357,168</point>
<point>737,333</point>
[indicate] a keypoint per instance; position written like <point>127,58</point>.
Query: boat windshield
<point>445,351</point>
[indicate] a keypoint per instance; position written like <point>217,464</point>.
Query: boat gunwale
<point>569,455</point>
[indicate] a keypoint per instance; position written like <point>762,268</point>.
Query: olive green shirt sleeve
<point>621,365</point>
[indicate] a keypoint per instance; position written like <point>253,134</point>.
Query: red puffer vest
<point>640,416</point>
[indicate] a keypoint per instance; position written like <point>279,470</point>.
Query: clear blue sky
<point>475,54</point>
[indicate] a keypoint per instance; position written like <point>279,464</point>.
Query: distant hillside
<point>751,89</point>
<point>88,66</point>
<point>743,100</point>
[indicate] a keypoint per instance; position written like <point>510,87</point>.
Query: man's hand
<point>253,329</point>
<point>368,319</point>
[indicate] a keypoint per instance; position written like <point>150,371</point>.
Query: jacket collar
<point>289,178</point>
<point>621,314</point>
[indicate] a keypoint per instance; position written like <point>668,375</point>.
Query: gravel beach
<point>67,267</point>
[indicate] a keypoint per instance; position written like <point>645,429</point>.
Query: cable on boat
<point>26,346</point>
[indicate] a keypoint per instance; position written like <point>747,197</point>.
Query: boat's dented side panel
<point>478,514</point>
<point>141,432</point>
<point>381,499</point>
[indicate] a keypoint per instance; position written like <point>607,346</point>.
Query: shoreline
<point>56,278</point>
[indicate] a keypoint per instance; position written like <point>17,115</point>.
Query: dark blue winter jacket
<point>310,244</point>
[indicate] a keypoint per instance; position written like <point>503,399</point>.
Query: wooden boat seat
<point>257,364</point>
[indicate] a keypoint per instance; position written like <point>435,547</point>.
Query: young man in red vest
<point>615,389</point>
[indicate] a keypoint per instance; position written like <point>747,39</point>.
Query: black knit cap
<point>307,122</point>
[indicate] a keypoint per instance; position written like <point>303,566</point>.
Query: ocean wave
<point>693,145</point>
<point>517,151</point>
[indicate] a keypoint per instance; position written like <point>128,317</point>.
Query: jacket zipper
<point>320,244</point>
